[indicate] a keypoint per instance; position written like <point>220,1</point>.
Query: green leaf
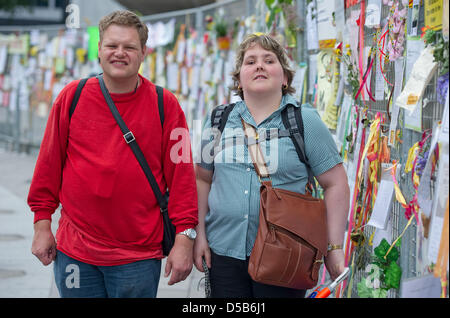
<point>393,275</point>
<point>379,293</point>
<point>363,290</point>
<point>382,249</point>
<point>270,20</point>
<point>277,9</point>
<point>393,255</point>
<point>269,3</point>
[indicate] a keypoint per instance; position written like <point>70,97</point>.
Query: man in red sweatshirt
<point>108,242</point>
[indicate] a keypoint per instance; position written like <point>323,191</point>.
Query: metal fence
<point>431,113</point>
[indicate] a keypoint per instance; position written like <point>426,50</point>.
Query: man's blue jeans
<point>77,279</point>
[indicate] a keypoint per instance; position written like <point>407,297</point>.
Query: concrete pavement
<point>21,274</point>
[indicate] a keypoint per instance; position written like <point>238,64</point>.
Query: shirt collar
<point>287,99</point>
<point>243,111</point>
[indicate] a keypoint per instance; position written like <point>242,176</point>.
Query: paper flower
<point>396,22</point>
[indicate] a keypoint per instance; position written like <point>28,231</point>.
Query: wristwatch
<point>191,233</point>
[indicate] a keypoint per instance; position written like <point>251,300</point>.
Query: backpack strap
<point>219,116</point>
<point>293,122</point>
<point>160,93</point>
<point>77,95</point>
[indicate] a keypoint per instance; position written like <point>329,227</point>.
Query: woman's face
<point>261,72</point>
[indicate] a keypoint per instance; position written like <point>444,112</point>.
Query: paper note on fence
<point>421,73</point>
<point>383,201</point>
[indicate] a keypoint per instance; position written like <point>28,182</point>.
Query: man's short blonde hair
<point>125,18</point>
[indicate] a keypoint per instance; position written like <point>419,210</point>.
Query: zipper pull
<point>272,232</point>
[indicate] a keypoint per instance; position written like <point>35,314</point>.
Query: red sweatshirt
<point>109,214</point>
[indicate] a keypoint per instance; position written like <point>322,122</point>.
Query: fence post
<point>301,31</point>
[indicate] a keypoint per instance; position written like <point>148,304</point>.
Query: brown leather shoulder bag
<point>292,235</point>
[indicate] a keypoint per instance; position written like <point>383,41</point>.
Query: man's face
<point>120,52</point>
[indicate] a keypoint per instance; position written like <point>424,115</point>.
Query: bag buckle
<point>260,178</point>
<point>320,261</point>
<point>129,137</point>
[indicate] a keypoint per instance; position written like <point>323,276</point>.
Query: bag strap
<point>77,95</point>
<point>255,151</point>
<point>131,141</point>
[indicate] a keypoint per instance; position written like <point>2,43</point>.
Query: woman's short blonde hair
<point>268,43</point>
<point>125,18</point>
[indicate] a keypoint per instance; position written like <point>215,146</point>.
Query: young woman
<point>228,190</point>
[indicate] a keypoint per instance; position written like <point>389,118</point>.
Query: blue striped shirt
<point>233,216</point>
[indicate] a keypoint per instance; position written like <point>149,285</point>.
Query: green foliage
<point>440,52</point>
<point>367,292</point>
<point>276,7</point>
<point>221,27</point>
<point>389,272</point>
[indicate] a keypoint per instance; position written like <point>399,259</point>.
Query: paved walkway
<point>21,274</point>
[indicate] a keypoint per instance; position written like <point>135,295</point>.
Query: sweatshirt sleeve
<point>43,196</point>
<point>178,166</point>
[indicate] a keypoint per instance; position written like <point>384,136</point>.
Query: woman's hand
<point>335,263</point>
<point>201,250</point>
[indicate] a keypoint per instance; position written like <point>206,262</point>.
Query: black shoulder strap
<point>131,141</point>
<point>76,97</point>
<point>293,121</point>
<point>160,93</point>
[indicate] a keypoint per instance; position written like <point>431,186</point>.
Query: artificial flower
<point>441,88</point>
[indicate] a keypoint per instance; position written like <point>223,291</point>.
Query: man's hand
<point>44,244</point>
<point>180,259</point>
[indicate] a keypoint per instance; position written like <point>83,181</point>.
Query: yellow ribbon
<point>400,236</point>
<point>373,132</point>
<point>398,192</point>
<point>412,154</point>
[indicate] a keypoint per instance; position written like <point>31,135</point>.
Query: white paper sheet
<point>423,191</point>
<point>421,73</point>
<point>379,79</point>
<point>3,56</point>
<point>312,65</point>
<point>413,120</point>
<point>413,49</point>
<point>383,201</point>
<point>439,204</point>
<point>414,18</point>
<point>441,193</point>
<point>311,27</point>
<point>325,28</point>
<point>297,81</point>
<point>373,13</point>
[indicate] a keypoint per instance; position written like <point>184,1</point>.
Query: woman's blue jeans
<point>77,279</point>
